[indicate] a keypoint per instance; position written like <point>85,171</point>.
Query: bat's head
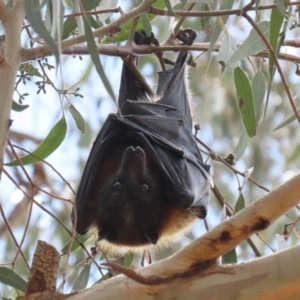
<point>131,202</point>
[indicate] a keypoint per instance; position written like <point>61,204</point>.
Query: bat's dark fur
<point>145,180</point>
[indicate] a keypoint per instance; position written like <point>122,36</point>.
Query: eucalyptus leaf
<point>227,48</point>
<point>245,100</point>
<point>80,123</point>
<point>280,6</point>
<point>47,147</point>
<point>242,144</point>
<point>169,7</point>
<point>70,25</point>
<point>218,24</point>
<point>240,203</point>
<point>259,90</point>
<point>252,44</point>
<point>95,57</point>
<point>9,277</point>
<point>80,239</point>
<point>128,259</point>
<point>230,257</point>
<point>146,23</point>
<point>18,107</point>
<point>34,17</point>
<point>286,121</point>
<point>82,279</point>
<point>123,33</point>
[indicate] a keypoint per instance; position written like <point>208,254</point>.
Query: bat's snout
<point>133,161</point>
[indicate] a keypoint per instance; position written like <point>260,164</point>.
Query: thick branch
<point>190,261</point>
<point>12,19</point>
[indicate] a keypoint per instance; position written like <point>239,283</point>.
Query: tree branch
<point>12,19</point>
<point>194,275</point>
<point>34,53</point>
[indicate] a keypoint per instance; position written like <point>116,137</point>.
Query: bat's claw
<point>186,36</point>
<point>141,38</point>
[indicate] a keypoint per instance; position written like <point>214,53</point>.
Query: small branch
<point>216,13</point>
<point>123,51</point>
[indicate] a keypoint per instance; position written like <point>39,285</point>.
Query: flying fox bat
<point>145,180</point>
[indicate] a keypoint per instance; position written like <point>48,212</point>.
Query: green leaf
<point>123,34</point>
<point>275,26</point>
<point>218,24</point>
<point>245,100</point>
<point>240,203</point>
<point>242,144</point>
<point>81,239</point>
<point>280,6</point>
<point>128,259</point>
<point>70,23</point>
<point>146,24</point>
<point>252,44</point>
<point>47,147</point>
<point>230,257</point>
<point>228,47</point>
<point>18,107</point>
<point>286,121</point>
<point>169,8</point>
<point>95,57</point>
<point>259,90</point>
<point>33,15</point>
<point>105,277</point>
<point>80,123</point>
<point>9,277</point>
<point>82,279</point>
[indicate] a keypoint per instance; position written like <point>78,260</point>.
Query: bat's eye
<point>144,187</point>
<point>117,184</point>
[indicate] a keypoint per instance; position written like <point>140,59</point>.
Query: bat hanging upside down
<point>145,181</point>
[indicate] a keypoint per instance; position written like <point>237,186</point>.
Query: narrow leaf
<point>70,24</point>
<point>33,15</point>
<point>275,26</point>
<point>259,90</point>
<point>240,203</point>
<point>47,147</point>
<point>95,57</point>
<point>82,279</point>
<point>280,6</point>
<point>242,144</point>
<point>9,277</point>
<point>123,34</point>
<point>80,123</point>
<point>218,24</point>
<point>18,107</point>
<point>252,44</point>
<point>169,8</point>
<point>146,24</point>
<point>230,257</point>
<point>228,47</point>
<point>80,239</point>
<point>287,121</point>
<point>245,100</point>
<point>128,259</point>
